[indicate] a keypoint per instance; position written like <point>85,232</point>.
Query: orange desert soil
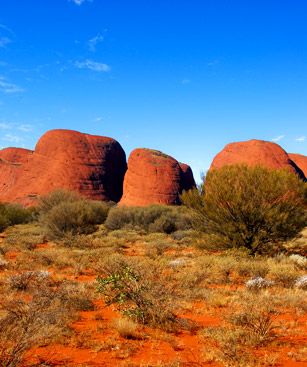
<point>96,341</point>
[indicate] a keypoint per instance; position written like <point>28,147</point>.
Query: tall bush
<point>251,207</point>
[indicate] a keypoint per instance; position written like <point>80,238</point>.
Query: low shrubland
<point>155,218</point>
<point>160,272</point>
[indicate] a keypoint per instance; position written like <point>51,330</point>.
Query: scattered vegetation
<point>161,278</point>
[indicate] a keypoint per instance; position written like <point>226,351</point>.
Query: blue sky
<point>182,76</point>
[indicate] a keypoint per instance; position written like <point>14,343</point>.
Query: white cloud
<point>12,138</point>
<point>15,126</point>
<point>25,128</point>
<point>80,2</point>
<point>301,139</point>
<point>92,65</point>
<point>5,126</point>
<point>185,81</point>
<point>4,41</point>
<point>9,88</point>
<point>278,138</point>
<point>98,119</point>
<point>93,42</point>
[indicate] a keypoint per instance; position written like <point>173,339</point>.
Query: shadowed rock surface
<point>187,178</point>
<point>255,152</point>
<point>154,178</point>
<point>92,165</point>
<point>300,160</point>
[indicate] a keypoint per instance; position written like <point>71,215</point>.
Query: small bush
<point>251,207</point>
<point>141,291</point>
<point>126,328</point>
<point>11,214</point>
<point>301,282</point>
<point>73,218</point>
<point>258,283</point>
<point>24,281</point>
<point>49,201</point>
<point>3,263</point>
<point>155,218</point>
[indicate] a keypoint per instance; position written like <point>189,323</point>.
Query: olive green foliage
<point>155,218</point>
<point>255,208</point>
<point>47,202</point>
<point>140,290</point>
<point>64,214</point>
<point>11,214</point>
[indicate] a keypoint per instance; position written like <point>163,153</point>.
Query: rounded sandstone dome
<point>15,155</point>
<point>92,165</point>
<point>153,178</point>
<point>255,152</point>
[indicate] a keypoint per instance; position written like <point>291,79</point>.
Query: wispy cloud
<point>9,88</point>
<point>4,41</point>
<point>301,139</point>
<point>12,138</point>
<point>278,138</point>
<point>15,126</point>
<point>93,42</point>
<point>212,63</point>
<point>5,126</point>
<point>80,2</point>
<point>185,81</point>
<point>7,29</point>
<point>98,119</point>
<point>25,128</point>
<point>92,65</point>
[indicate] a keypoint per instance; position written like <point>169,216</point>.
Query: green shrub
<point>11,214</point>
<point>255,208</point>
<point>47,202</point>
<point>155,218</point>
<point>142,292</point>
<point>73,218</point>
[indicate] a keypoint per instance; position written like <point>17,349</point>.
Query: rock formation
<point>255,152</point>
<point>300,160</point>
<point>154,178</point>
<point>187,178</point>
<point>92,165</point>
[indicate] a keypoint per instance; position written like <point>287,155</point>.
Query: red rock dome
<point>92,165</point>
<point>154,178</point>
<point>15,155</point>
<point>255,152</point>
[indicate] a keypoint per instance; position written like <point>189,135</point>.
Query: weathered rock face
<point>187,178</point>
<point>15,155</point>
<point>154,178</point>
<point>11,161</point>
<point>94,166</point>
<point>255,152</point>
<point>300,160</point>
